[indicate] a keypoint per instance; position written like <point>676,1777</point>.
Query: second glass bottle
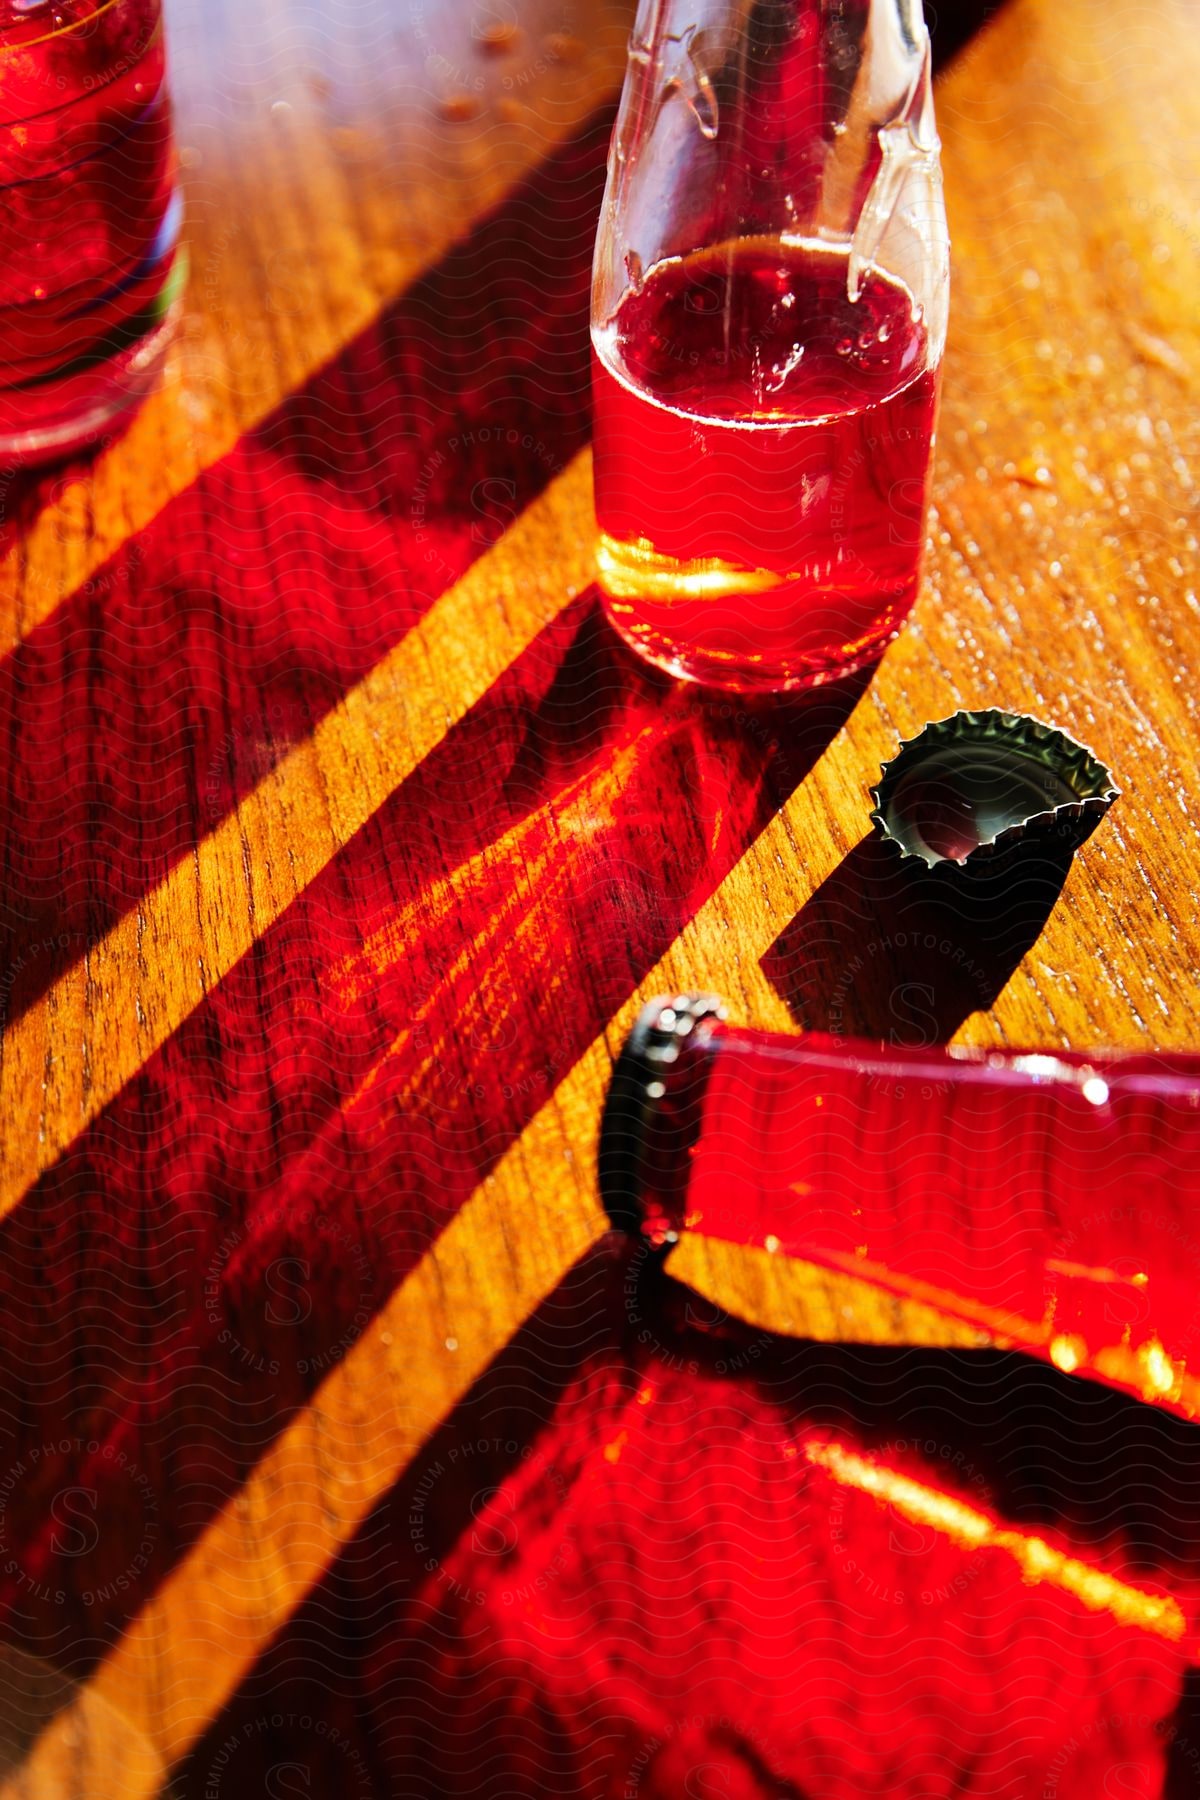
<point>768,319</point>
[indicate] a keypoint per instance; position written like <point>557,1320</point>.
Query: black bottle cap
<point>978,782</point>
<point>634,1093</point>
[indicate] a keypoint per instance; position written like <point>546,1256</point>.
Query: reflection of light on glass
<point>1160,1370</point>
<point>1043,1068</point>
<point>31,6</point>
<point>637,571</point>
<point>1086,1272</point>
<point>1036,1559</point>
<point>1067,1353</point>
<point>1151,1372</point>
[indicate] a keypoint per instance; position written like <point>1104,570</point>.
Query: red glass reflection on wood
<point>683,1583</point>
<point>762,445</point>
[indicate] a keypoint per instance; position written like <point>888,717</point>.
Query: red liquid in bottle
<point>89,216</point>
<point>1040,1201</point>
<point>762,449</point>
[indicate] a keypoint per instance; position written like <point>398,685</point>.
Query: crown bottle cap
<point>973,784</point>
<point>644,1142</point>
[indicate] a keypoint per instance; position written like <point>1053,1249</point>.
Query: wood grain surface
<point>342,842</point>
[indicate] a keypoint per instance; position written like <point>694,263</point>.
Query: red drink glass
<point>768,321</point>
<point>90,272</point>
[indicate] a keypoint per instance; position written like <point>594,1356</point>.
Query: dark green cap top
<point>978,782</point>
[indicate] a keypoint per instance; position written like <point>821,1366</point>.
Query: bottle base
<point>742,674</point>
<point>57,418</point>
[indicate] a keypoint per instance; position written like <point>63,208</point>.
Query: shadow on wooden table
<point>888,949</point>
<point>137,711</point>
<point>182,1279</point>
<point>614,1570</point>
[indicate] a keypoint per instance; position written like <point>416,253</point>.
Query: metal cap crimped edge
<point>1073,764</point>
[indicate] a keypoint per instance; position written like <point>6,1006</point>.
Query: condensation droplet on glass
<point>634,270</point>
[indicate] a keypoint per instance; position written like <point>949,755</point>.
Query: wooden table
<point>342,845</point>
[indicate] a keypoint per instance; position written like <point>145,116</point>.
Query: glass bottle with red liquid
<point>768,318</point>
<point>90,211</point>
<point>1030,1200</point>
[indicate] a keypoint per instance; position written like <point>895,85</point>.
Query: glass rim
<point>47,37</point>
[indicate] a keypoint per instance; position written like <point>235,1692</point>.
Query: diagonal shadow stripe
<point>514,1239</point>
<point>149,703</point>
<point>145,976</point>
<point>290,1153</point>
